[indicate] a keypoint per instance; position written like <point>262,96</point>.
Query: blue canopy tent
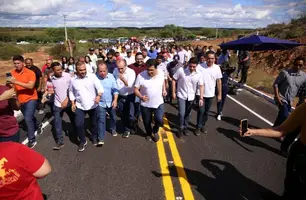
<point>259,43</point>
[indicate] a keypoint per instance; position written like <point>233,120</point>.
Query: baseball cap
<point>129,51</point>
<point>91,49</point>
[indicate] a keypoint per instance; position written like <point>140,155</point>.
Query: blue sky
<point>138,13</point>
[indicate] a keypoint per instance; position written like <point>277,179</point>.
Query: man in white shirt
<point>187,81</point>
<point>189,53</point>
<point>212,75</point>
<point>123,52</point>
<point>150,89</point>
<point>85,93</point>
<point>183,55</point>
<point>125,78</point>
<point>129,58</point>
<point>145,54</point>
<point>93,58</point>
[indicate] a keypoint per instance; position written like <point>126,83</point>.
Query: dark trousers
<point>202,115</point>
<point>58,115</point>
<point>147,118</point>
<point>40,106</point>
<point>28,110</point>
<point>244,74</point>
<point>126,106</point>
<point>220,104</point>
<point>13,138</point>
<point>295,181</point>
<point>185,108</point>
<point>283,113</point>
<point>80,123</point>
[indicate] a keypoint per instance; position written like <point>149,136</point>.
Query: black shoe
<point>126,134</point>
<point>39,129</point>
<point>149,138</point>
<point>203,130</point>
<point>32,144</point>
<point>180,133</point>
<point>186,132</point>
<point>197,132</point>
<point>95,143</point>
<point>58,146</point>
<point>82,147</point>
<point>155,137</point>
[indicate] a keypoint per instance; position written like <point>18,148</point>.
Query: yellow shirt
<point>297,120</point>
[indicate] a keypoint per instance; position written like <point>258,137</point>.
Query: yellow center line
<point>186,189</point>
<point>167,182</point>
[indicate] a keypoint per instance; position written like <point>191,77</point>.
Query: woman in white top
<point>89,66</point>
<point>71,66</point>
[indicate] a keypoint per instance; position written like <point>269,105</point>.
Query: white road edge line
<point>43,126</point>
<point>251,111</point>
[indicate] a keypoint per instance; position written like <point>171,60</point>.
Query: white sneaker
<point>219,117</point>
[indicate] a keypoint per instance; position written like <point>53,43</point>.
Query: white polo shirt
<point>187,83</point>
<point>129,60</point>
<point>84,91</point>
<point>151,87</point>
<point>210,76</point>
<point>128,75</point>
<point>163,67</point>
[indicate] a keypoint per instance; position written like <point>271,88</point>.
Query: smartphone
<point>8,74</point>
<point>244,126</point>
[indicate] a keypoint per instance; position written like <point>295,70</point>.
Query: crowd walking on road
<point>134,81</point>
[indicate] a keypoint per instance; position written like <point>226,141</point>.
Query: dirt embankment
<point>38,57</point>
<point>265,65</point>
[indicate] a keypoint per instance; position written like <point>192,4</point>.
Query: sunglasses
<point>299,65</point>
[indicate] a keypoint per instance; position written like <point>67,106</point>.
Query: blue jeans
<point>202,115</point>
<point>13,138</point>
<point>126,105</point>
<point>80,123</point>
<point>220,104</point>
<point>58,114</point>
<point>28,111</point>
<point>185,108</point>
<point>147,118</point>
<point>283,113</point>
<point>102,121</point>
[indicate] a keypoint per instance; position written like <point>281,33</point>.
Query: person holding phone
<point>23,80</point>
<point>295,181</point>
<point>9,128</point>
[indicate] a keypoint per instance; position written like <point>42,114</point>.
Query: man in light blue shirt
<point>108,102</point>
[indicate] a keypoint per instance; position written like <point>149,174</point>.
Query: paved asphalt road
<point>219,165</point>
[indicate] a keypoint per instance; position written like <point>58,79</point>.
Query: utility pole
<point>216,32</point>
<point>66,36</point>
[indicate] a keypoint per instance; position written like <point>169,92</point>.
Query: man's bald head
<point>102,70</point>
<point>121,65</point>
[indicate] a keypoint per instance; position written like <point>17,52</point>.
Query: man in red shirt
<point>9,128</point>
<point>139,66</point>
<point>20,167</point>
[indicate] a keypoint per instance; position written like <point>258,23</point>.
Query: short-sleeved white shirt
<point>187,83</point>
<point>210,76</point>
<point>163,67</point>
<point>151,87</point>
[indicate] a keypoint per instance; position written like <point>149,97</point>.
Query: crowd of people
<point>134,81</point>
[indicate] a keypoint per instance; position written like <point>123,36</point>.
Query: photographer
<point>296,164</point>
<point>9,128</point>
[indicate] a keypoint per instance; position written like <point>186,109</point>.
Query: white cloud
<point>114,13</point>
